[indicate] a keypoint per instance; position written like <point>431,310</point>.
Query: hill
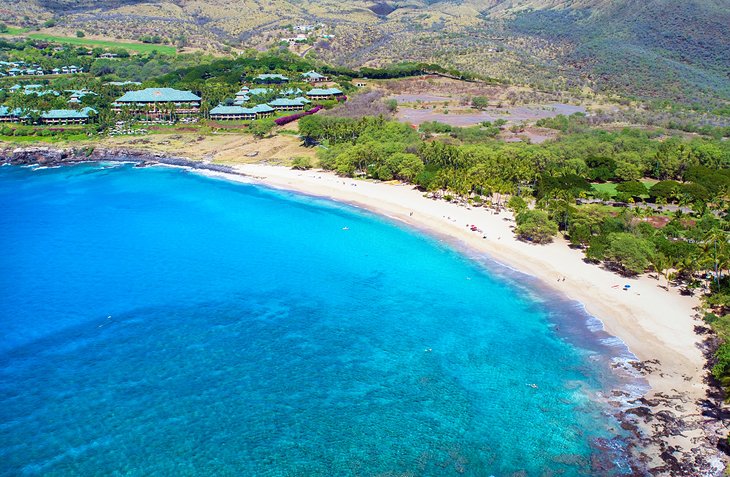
<point>651,49</point>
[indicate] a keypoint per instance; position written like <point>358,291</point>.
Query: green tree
<point>261,128</point>
<point>634,189</point>
<point>80,34</point>
<point>535,226</point>
<point>480,102</point>
<point>665,191</point>
<point>715,252</point>
<point>628,253</point>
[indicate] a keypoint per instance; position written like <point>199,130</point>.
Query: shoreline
<point>656,325</point>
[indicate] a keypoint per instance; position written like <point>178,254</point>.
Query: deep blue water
<point>156,322</point>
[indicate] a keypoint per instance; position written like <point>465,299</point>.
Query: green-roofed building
<point>326,93</point>
<point>158,101</point>
<point>290,92</point>
<point>314,77</point>
<point>8,115</point>
<point>67,116</point>
<point>271,78</point>
<point>259,91</point>
<point>264,110</point>
<point>224,113</point>
<point>284,104</point>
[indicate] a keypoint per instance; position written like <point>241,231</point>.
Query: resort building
<point>259,91</point>
<point>327,93</point>
<point>291,92</point>
<point>242,97</point>
<point>8,115</point>
<point>77,94</point>
<point>284,104</point>
<point>66,116</point>
<point>35,89</point>
<point>295,39</point>
<point>124,83</point>
<point>314,77</point>
<point>70,70</point>
<point>271,78</point>
<point>157,101</point>
<point>224,113</point>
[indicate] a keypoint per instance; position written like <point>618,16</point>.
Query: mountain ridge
<point>670,49</point>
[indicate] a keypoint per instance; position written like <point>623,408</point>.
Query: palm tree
<point>715,251</point>
<point>660,263</point>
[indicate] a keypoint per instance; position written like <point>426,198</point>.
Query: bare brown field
<point>470,117</point>
<point>224,148</point>
<point>446,100</point>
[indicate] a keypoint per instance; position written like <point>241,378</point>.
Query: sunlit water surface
<point>156,322</point>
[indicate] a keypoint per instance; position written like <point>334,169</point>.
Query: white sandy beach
<point>655,324</point>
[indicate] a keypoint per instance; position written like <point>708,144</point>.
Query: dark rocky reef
<point>50,157</point>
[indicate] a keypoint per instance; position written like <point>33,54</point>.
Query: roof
<point>323,92</point>
<point>272,76</point>
<point>80,93</point>
<point>290,92</point>
<point>285,102</point>
<point>123,83</point>
<point>263,108</point>
<point>67,113</point>
<point>158,95</point>
<point>5,111</point>
<point>259,91</point>
<point>220,109</point>
<point>313,75</point>
<point>260,108</point>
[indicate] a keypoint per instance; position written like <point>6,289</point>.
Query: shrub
<point>293,117</point>
<point>301,163</point>
<point>517,204</point>
<point>480,102</point>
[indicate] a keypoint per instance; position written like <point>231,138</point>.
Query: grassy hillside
<point>658,49</point>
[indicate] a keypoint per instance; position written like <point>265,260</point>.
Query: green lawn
<point>44,139</point>
<point>606,187</point>
<point>610,187</point>
<point>15,31</point>
<point>138,47</point>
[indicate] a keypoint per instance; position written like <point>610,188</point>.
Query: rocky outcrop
<point>49,157</point>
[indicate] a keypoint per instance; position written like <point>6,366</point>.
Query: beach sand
<point>656,324</point>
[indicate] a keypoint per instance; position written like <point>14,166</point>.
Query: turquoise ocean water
<point>156,322</point>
